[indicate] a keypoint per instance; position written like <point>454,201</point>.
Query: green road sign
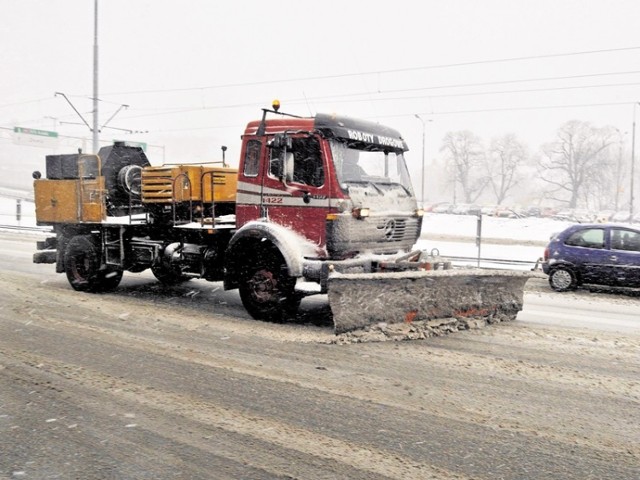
<point>34,137</point>
<point>34,131</point>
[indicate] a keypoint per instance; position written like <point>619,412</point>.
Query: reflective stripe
<point>252,187</point>
<point>249,194</point>
<point>280,199</point>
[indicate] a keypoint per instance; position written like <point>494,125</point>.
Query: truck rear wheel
<point>167,275</point>
<point>267,290</point>
<point>109,280</point>
<point>82,266</point>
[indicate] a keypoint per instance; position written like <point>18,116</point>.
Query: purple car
<point>598,254</point>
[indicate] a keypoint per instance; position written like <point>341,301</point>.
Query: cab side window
<point>590,238</point>
<point>303,162</point>
<point>252,158</point>
<point>307,162</point>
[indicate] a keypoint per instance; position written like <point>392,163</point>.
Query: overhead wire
<point>378,72</point>
<point>507,109</point>
<point>438,113</point>
<point>378,95</point>
<point>25,102</point>
<point>347,97</point>
<point>492,92</point>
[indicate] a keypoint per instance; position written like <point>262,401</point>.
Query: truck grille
<point>392,229</point>
<point>379,235</point>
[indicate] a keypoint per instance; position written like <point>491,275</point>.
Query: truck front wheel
<point>267,290</point>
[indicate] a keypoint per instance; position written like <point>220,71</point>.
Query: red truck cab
<point>340,183</point>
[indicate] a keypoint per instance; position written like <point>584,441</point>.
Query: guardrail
<point>26,228</point>
<point>16,194</point>
<point>494,262</point>
<point>487,263</point>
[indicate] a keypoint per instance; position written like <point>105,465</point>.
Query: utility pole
<point>96,131</point>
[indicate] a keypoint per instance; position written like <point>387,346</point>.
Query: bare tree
<point>465,156</point>
<point>574,161</point>
<point>606,180</point>
<point>506,154</point>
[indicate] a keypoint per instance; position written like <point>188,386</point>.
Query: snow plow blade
<point>359,300</point>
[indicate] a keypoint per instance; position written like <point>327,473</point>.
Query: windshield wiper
<point>408,192</point>
<point>367,182</point>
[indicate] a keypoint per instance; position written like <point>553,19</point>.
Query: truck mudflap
<point>459,298</point>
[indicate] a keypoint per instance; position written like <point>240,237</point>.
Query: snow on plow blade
<point>359,300</point>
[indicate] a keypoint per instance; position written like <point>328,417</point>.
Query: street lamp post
<point>618,176</point>
<point>424,135</point>
<point>96,131</point>
<point>633,161</point>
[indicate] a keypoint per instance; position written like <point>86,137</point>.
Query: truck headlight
<point>360,212</point>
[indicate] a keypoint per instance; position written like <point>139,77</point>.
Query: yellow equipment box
<point>183,183</point>
<point>69,201</point>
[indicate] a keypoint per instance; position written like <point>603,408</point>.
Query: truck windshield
<point>359,163</point>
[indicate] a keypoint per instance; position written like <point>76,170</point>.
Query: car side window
<point>625,240</point>
<point>589,238</point>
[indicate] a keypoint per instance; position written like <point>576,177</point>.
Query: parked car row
<point>565,214</point>
<point>473,209</point>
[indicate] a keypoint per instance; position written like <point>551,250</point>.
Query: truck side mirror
<point>281,140</point>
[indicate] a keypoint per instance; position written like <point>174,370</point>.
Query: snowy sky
<point>193,72</point>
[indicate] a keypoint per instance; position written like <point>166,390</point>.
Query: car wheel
<point>563,279</point>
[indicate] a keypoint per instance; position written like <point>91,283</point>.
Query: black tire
<point>563,279</point>
<point>82,264</point>
<point>267,290</point>
<point>109,280</point>
<point>167,275</point>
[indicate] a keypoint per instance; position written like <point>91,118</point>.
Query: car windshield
<point>381,168</point>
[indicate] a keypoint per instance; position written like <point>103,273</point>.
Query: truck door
<point>296,193</point>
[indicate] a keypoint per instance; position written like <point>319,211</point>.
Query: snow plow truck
<point>317,205</point>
